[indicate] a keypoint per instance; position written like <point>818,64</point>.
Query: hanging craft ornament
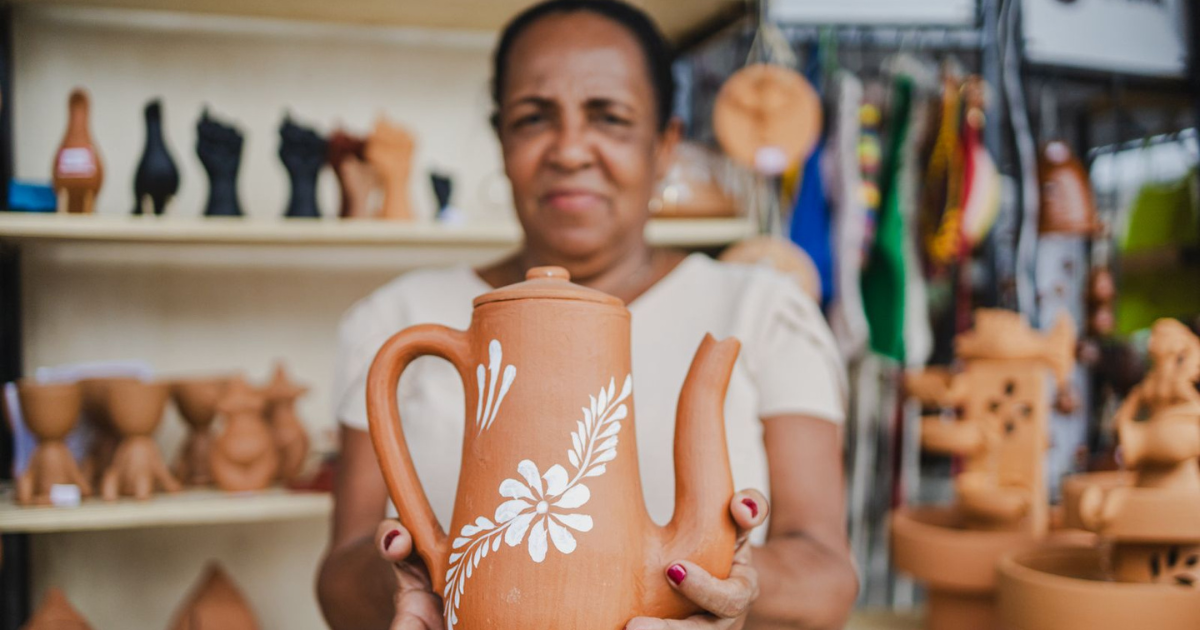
<point>767,117</point>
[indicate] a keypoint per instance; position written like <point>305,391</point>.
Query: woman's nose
<point>572,150</point>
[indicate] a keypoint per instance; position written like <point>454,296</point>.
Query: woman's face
<point>578,128</point>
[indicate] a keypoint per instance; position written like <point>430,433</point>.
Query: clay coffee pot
<point>302,152</point>
<point>244,457</point>
<point>78,171</point>
<point>157,177</point>
<point>215,603</point>
<point>136,409</point>
<point>291,440</point>
<point>56,613</point>
<point>50,411</point>
<point>549,502</point>
<point>196,400</point>
<point>390,150</point>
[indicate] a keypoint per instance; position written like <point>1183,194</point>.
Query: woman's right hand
<point>417,606</point>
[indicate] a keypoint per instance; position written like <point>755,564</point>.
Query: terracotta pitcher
<point>550,528</point>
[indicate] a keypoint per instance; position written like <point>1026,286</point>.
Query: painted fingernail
<point>676,574</point>
<point>387,540</point>
<point>749,503</point>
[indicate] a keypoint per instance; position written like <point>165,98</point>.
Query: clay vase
<point>196,400</point>
<point>303,154</point>
<point>244,457</point>
<point>136,408</point>
<point>215,603</point>
<point>219,147</point>
<point>50,411</point>
<point>157,177</point>
<point>56,613</point>
<point>291,440</point>
<point>78,171</point>
<point>104,435</point>
<point>549,503</point>
<point>357,178</point>
<point>390,150</point>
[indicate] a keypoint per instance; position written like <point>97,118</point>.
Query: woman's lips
<point>572,200</point>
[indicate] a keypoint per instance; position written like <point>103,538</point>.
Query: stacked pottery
<point>50,411</point>
<point>1146,574</point>
<point>1001,437</point>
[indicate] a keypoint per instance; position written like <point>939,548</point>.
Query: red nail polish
<point>387,540</point>
<point>753,507</point>
<point>676,574</point>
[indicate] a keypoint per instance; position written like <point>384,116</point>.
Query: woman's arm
<point>805,576</point>
<point>355,585</point>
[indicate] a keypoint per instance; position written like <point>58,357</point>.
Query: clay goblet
<point>196,399</point>
<point>136,408</point>
<point>50,411</point>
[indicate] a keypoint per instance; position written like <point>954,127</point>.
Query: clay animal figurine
<point>347,156</point>
<point>549,484</point>
<point>56,613</point>
<point>1002,433</point>
<point>303,154</point>
<point>78,171</point>
<point>290,438</point>
<point>220,149</point>
<point>196,400</point>
<point>157,178</point>
<point>390,150</point>
<point>244,457</point>
<point>50,411</point>
<point>136,408</point>
<point>215,603</point>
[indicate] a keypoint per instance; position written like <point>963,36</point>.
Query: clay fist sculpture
<point>290,438</point>
<point>136,408</point>
<point>347,156</point>
<point>50,411</point>
<point>220,149</point>
<point>390,150</point>
<point>303,154</point>
<point>56,613</point>
<point>196,400</point>
<point>215,604</point>
<point>78,171</point>
<point>244,457</point>
<point>157,178</point>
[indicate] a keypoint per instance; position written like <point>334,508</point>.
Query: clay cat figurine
<point>157,177</point>
<point>244,457</point>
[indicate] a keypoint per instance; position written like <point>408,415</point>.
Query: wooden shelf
<point>885,621</point>
<point>33,227</point>
<point>193,507</point>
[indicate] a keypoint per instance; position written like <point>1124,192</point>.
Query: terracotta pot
<point>215,603</point>
<point>1066,588</point>
<point>244,457</point>
<point>550,503</point>
<point>291,440</point>
<point>56,613</point>
<point>78,171</point>
<point>196,399</point>
<point>50,411</point>
<point>136,409</point>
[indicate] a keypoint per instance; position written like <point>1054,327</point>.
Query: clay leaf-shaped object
<point>219,147</point>
<point>215,603</point>
<point>390,150</point>
<point>56,613</point>
<point>157,177</point>
<point>303,153</point>
<point>78,171</point>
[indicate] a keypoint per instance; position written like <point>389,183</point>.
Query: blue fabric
<point>812,223</point>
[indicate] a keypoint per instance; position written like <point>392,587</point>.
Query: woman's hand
<point>417,606</point>
<point>727,601</point>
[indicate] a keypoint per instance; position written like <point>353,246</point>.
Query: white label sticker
<point>76,162</point>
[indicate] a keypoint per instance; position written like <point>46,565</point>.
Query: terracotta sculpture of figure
<point>347,156</point>
<point>244,457</point>
<point>220,149</point>
<point>56,613</point>
<point>196,400</point>
<point>215,603</point>
<point>290,438</point>
<point>303,154</point>
<point>157,177</point>
<point>50,411</point>
<point>78,171</point>
<point>390,150</point>
<point>136,408</point>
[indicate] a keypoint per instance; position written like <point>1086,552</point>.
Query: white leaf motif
<point>596,472</point>
<point>574,498</point>
<point>573,458</point>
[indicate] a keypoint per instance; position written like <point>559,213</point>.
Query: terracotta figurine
<point>347,156</point>
<point>303,154</point>
<point>50,411</point>
<point>78,171</point>
<point>56,613</point>
<point>196,400</point>
<point>220,149</point>
<point>215,603</point>
<point>290,438</point>
<point>390,151</point>
<point>157,177</point>
<point>136,408</point>
<point>244,457</point>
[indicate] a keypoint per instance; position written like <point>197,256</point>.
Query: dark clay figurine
<point>347,156</point>
<point>443,186</point>
<point>157,177</point>
<point>303,154</point>
<point>220,149</point>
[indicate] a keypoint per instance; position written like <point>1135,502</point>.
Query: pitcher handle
<point>387,435</point>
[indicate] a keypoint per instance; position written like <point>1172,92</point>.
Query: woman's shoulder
<point>747,287</point>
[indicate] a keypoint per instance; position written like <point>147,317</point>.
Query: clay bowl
<point>197,399</point>
<point>50,409</point>
<point>1075,485</point>
<point>1064,588</point>
<point>136,407</point>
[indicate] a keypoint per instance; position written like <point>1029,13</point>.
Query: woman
<point>583,94</point>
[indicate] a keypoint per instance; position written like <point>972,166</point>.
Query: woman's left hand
<point>728,601</point>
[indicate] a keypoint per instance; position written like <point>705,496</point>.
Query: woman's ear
<point>667,142</point>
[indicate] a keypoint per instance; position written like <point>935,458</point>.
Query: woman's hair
<point>655,48</point>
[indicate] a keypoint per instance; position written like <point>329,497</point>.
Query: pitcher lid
<point>547,283</point>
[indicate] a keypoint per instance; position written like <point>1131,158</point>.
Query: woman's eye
<point>611,119</point>
<point>527,120</point>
